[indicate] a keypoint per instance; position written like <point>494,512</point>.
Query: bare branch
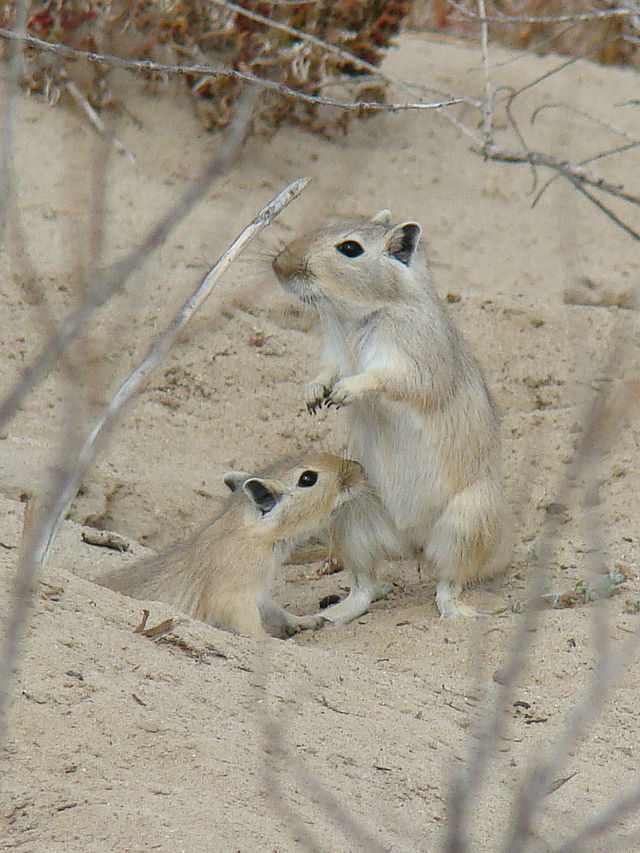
<point>605,821</point>
<point>299,34</point>
<point>273,788</point>
<point>561,67</point>
<point>599,15</point>
<point>487,104</point>
<point>606,210</point>
<point>210,70</point>
<point>585,114</point>
<point>42,533</point>
<point>93,116</point>
<point>158,352</point>
<point>572,171</point>
<point>72,464</point>
<point>600,426</point>
<point>319,795</point>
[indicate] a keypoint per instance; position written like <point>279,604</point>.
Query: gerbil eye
<point>308,478</point>
<point>350,248</point>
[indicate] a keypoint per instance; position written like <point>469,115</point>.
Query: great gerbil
<point>421,420</point>
<point>223,573</point>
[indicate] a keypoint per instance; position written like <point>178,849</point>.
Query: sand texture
<point>345,739</point>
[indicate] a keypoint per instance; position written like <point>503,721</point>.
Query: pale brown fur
<point>222,574</point>
<point>421,419</point>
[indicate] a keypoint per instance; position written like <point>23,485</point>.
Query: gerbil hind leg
<point>462,543</point>
<point>363,592</point>
<point>363,536</point>
<point>280,623</point>
<point>449,607</point>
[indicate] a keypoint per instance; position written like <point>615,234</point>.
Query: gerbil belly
<point>404,459</point>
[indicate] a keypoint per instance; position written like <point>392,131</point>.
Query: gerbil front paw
<point>341,394</point>
<point>315,395</point>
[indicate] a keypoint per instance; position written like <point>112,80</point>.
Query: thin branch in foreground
<point>465,786</point>
<point>605,821</point>
<point>45,527</point>
<point>273,788</point>
<point>340,816</point>
<point>584,114</point>
<point>514,94</point>
<point>600,426</point>
<point>566,64</point>
<point>113,279</point>
<point>72,464</point>
<point>158,352</point>
<point>93,116</point>
<point>611,152</point>
<point>203,69</point>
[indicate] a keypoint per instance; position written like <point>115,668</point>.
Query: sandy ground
<point>343,739</point>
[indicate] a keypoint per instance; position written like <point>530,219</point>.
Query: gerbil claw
<point>316,396</point>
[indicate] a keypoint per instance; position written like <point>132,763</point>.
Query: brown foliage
<point>218,34</point>
<point>603,40</point>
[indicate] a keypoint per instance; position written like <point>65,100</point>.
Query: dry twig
<point>199,68</point>
<point>159,351</point>
<point>68,474</point>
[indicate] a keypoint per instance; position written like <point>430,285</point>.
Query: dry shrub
<point>197,31</point>
<point>607,40</point>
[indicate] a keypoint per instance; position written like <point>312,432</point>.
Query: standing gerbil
<point>222,574</point>
<point>421,419</point>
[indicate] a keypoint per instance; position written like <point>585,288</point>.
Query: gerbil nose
<point>291,261</point>
<point>285,264</point>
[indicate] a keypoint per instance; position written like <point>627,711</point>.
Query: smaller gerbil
<point>222,574</point>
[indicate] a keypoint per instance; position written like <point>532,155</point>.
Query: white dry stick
<point>487,103</point>
<point>94,118</point>
<point>158,352</point>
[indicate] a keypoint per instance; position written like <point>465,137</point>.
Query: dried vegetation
<point>346,40</point>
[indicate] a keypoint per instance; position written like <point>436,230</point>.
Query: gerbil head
<point>354,265</point>
<point>296,500</point>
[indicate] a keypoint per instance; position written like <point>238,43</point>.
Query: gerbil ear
<point>382,217</point>
<point>261,494</point>
<point>403,240</point>
<point>234,479</point>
